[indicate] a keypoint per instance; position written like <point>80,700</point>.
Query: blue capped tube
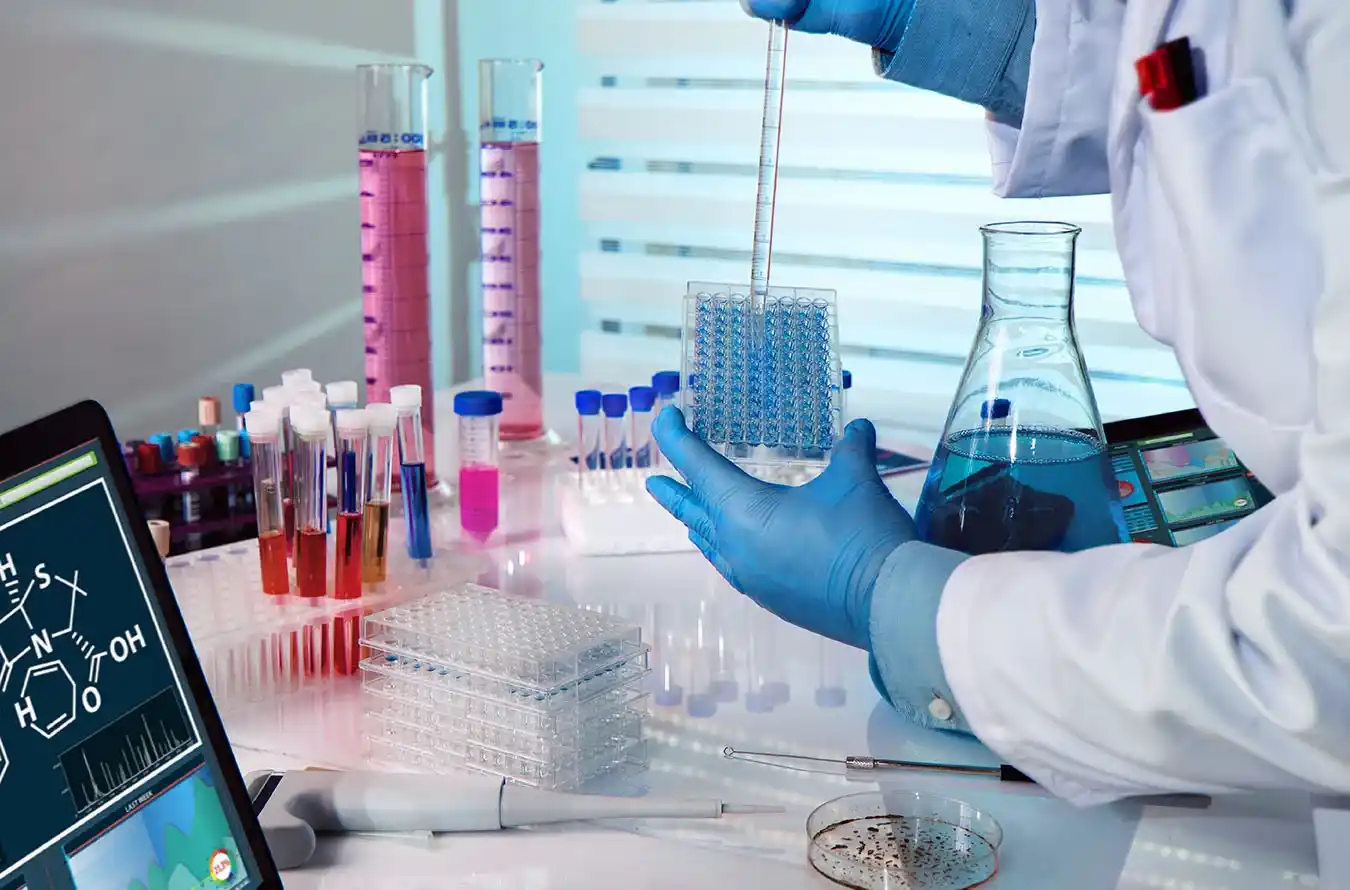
<point>615,405</point>
<point>241,399</point>
<point>588,430</point>
<point>667,386</point>
<point>642,399</point>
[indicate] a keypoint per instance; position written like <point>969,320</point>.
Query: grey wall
<point>177,197</point>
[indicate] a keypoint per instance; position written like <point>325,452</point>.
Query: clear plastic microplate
<point>764,388</point>
<point>508,642</point>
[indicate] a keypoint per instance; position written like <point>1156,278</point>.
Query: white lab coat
<point>1223,666</point>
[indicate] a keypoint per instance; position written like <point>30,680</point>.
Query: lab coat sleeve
<point>975,50</point>
<point>905,665</point>
<point>1219,667</point>
<point>1060,146</point>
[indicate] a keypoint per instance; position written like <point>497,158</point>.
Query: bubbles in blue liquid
<point>768,393</point>
<point>1029,489</point>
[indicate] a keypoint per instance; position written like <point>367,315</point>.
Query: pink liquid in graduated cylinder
<point>510,229</point>
<point>394,287</point>
<point>478,500</point>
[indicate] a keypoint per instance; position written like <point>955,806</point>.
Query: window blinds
<point>882,189</point>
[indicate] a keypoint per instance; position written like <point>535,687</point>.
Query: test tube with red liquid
<point>264,434</point>
<point>351,427</point>
<point>309,425</point>
<point>393,187</point>
<point>479,481</point>
<point>510,106</point>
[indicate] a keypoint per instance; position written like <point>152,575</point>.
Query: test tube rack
<point>470,678</point>
<point>254,647</point>
<point>609,513</point>
<point>763,385</point>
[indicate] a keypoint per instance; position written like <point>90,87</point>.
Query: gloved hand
<point>878,23</point>
<point>809,554</point>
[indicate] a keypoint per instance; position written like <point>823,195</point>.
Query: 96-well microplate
<point>763,400</point>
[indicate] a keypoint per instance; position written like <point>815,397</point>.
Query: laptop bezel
<point>69,429</point>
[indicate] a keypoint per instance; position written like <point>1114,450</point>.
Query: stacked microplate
<point>470,678</point>
<point>763,385</point>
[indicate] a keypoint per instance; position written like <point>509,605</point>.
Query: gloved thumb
<point>776,10</point>
<point>856,451</point>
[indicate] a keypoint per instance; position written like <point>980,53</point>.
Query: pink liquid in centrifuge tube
<point>509,188</point>
<point>395,290</point>
<point>478,501</point>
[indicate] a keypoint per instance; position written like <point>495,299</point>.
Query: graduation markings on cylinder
<point>50,697</point>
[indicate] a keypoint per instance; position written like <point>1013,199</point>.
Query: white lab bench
<point>705,632</point>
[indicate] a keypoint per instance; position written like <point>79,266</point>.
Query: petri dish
<point>903,840</point>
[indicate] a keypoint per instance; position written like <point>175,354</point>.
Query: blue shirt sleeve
<point>906,666</point>
<point>978,51</point>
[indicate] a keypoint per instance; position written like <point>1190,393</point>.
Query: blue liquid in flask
<point>991,491</point>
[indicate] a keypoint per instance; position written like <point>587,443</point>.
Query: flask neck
<point>1029,277</point>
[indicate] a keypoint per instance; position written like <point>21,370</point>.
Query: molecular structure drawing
<point>53,688</point>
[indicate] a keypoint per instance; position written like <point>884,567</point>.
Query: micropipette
<point>294,805</point>
<point>766,187</point>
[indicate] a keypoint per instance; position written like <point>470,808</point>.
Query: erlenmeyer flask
<point>1022,463</point>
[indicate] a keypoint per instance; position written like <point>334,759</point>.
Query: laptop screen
<point>107,781</point>
<point>1181,487</point>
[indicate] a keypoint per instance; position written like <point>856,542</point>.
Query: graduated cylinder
<point>394,282</point>
<point>510,106</point>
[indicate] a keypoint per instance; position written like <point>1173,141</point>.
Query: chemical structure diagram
<point>53,688</point>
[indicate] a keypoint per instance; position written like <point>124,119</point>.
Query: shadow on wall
<point>179,209</point>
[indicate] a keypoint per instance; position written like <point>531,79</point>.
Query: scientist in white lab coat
<point>1130,669</point>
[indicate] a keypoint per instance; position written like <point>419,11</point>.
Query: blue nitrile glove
<point>878,23</point>
<point>809,554</point>
<point>978,51</point>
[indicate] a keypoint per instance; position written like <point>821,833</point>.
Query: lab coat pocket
<point>1245,263</point>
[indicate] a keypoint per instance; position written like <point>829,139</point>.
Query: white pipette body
<point>306,802</point>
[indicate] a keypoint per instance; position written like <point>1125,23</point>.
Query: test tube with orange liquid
<point>264,434</point>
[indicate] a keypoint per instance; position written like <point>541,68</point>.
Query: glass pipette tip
<point>766,187</point>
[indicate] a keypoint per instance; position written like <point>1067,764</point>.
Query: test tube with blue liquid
<point>589,448</point>
<point>615,405</point>
<point>641,447</point>
<point>352,444</point>
<point>407,401</point>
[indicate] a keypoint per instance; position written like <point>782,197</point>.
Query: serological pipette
<point>766,188</point>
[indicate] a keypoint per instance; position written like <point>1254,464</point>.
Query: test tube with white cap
<point>615,405</point>
<point>642,399</point>
<point>588,429</point>
<point>479,414</point>
<point>342,395</point>
<point>382,418</point>
<point>312,395</point>
<point>296,375</point>
<point>309,422</point>
<point>407,400</point>
<point>264,430</point>
<point>352,439</point>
